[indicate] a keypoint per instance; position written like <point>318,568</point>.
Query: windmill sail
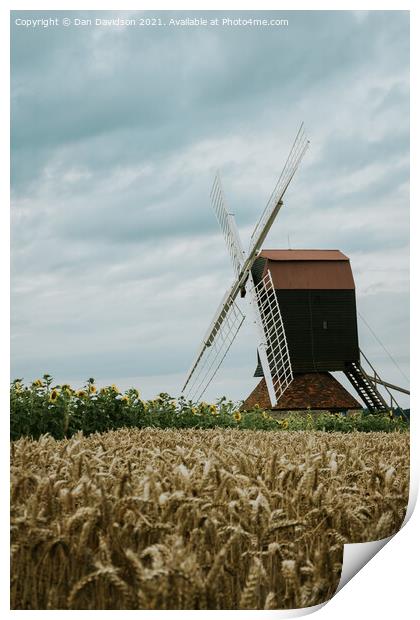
<point>228,226</point>
<point>296,154</point>
<point>228,319</point>
<point>213,351</point>
<point>272,343</point>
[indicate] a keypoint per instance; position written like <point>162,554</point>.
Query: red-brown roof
<point>311,390</point>
<point>308,269</point>
<point>303,255</point>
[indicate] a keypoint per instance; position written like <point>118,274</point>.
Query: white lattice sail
<point>294,158</point>
<point>272,343</point>
<point>213,350</point>
<point>228,225</point>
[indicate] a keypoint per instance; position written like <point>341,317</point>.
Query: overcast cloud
<point>117,260</point>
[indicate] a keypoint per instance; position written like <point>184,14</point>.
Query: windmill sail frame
<point>228,225</point>
<point>214,350</point>
<point>272,345</point>
<point>298,150</point>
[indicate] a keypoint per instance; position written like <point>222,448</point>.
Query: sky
<point>117,261</point>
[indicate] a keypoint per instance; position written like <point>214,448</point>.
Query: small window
<point>324,324</point>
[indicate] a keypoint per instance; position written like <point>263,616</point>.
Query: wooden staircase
<point>367,386</point>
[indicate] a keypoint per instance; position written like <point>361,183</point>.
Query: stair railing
<point>376,379</point>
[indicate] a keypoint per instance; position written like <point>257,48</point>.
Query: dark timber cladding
<point>316,294</point>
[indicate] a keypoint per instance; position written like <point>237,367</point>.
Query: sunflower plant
<point>61,410</point>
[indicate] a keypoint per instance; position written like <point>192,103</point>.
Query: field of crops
<point>197,519</point>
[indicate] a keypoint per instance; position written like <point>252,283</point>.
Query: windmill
<point>316,291</point>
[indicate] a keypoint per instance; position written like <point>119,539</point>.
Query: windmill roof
<point>285,255</point>
<point>307,269</point>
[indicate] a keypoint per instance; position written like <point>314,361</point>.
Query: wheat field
<point>197,519</point>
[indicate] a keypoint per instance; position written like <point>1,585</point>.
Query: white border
<point>387,586</point>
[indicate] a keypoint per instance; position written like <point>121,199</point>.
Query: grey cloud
<point>117,261</point>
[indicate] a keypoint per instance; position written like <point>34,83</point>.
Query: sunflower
<point>125,400</point>
<point>92,388</point>
<point>53,396</point>
<point>66,388</point>
<point>213,409</point>
<point>237,416</point>
<point>81,393</point>
<point>194,410</point>
<point>115,388</point>
<point>37,383</point>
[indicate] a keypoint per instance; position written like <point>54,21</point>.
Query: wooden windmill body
<point>316,293</point>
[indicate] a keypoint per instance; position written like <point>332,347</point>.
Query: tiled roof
<point>307,391</point>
